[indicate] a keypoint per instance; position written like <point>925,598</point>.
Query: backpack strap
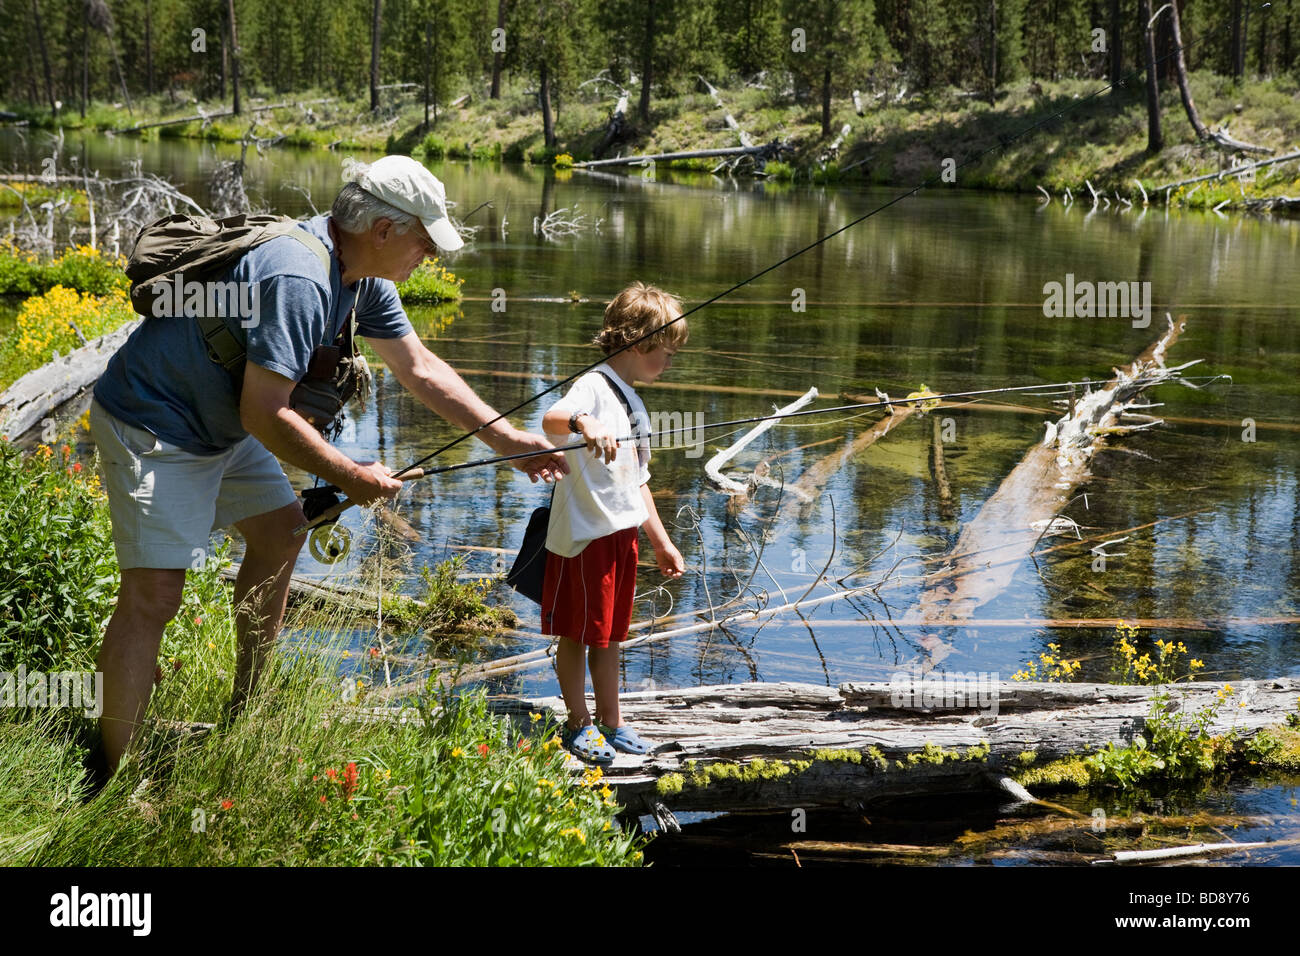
<point>224,347</point>
<point>631,415</point>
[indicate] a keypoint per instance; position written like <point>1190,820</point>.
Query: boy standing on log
<point>592,534</point>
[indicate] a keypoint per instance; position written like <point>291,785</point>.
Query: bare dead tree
<point>101,18</point>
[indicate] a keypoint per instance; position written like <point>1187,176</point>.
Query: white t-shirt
<point>596,499</point>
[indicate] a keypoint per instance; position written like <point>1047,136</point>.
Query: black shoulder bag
<point>528,574</point>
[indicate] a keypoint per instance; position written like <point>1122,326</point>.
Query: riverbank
<point>307,776</point>
<point>899,141</point>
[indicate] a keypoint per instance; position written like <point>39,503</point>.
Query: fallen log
<point>1229,173</point>
<point>749,746</point>
<point>668,157</point>
<point>727,117</point>
<point>36,396</point>
<point>996,542</point>
<point>809,485</point>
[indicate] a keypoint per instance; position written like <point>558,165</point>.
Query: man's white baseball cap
<point>405,184</point>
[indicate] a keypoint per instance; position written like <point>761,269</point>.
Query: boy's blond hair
<point>639,309</point>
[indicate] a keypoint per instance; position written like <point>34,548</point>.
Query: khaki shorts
<point>166,502</point>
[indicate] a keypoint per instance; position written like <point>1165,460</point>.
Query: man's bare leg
<point>147,600</point>
<point>261,592</point>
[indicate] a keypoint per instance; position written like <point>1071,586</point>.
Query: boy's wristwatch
<point>573,422</point>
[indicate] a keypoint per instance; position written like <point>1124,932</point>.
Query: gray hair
<point>356,210</point>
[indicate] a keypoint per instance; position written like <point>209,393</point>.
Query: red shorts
<point>588,597</point>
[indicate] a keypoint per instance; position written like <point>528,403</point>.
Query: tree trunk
<point>826,102</point>
<point>428,42</point>
<point>121,77</point>
<point>374,56</point>
<point>1262,58</point>
<point>225,47</point>
<point>148,46</point>
<point>1284,62</point>
<point>647,53</point>
<point>993,52</point>
<point>234,55</point>
<point>548,126</point>
<point>496,57</point>
<point>1180,66</point>
<point>45,57</point>
<point>1116,39</point>
<point>1238,47</point>
<point>85,65</point>
<point>1155,141</point>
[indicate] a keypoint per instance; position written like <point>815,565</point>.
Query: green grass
<point>305,776</point>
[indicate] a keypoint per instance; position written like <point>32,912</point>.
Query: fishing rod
<point>334,508</point>
<point>1003,142</point>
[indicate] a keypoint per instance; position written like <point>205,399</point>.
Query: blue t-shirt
<point>162,378</point>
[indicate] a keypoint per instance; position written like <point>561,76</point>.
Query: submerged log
<point>751,745</point>
<point>994,545</point>
<point>713,468</point>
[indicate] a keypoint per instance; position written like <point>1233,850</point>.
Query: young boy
<point>595,514</point>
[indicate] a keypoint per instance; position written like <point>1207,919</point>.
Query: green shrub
<point>430,282</point>
<point>60,577</point>
<point>84,268</point>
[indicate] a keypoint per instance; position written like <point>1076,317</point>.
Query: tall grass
<point>317,770</point>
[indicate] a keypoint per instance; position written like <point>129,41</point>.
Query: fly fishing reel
<point>329,542</point>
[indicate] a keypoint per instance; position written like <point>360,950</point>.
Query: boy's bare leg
<point>261,593</point>
<point>571,668</point>
<point>146,601</point>
<point>604,680</point>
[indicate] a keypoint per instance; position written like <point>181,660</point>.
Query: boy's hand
<point>670,561</point>
<point>599,438</point>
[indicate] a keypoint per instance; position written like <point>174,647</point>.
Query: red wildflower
<point>76,467</point>
<point>66,451</point>
<point>525,746</point>
<point>227,804</point>
<point>374,652</point>
<point>350,780</point>
<point>331,773</point>
<point>323,798</point>
<point>198,620</point>
<point>482,750</point>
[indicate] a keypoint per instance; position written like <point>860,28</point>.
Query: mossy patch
<point>700,776</point>
<point>1065,772</point>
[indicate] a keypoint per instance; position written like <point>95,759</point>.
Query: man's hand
<point>370,482</point>
<point>549,465</point>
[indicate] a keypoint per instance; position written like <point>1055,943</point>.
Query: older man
<point>187,446</point>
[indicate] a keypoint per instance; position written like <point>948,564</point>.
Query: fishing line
<point>695,429</point>
<point>1003,142</point>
